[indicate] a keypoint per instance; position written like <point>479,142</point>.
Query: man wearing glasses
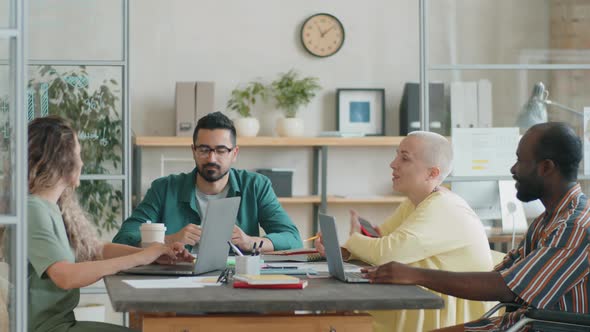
<point>180,200</point>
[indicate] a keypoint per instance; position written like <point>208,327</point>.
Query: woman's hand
<point>181,254</point>
<point>355,224</point>
<point>166,253</point>
<point>319,244</point>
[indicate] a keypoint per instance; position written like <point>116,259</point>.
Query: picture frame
<point>361,111</point>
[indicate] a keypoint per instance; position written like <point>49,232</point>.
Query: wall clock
<point>322,35</point>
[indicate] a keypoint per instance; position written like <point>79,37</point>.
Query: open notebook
<point>292,255</point>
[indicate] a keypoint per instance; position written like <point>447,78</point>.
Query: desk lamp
<point>535,109</point>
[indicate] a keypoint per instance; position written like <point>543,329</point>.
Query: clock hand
<point>320,29</point>
<point>326,31</point>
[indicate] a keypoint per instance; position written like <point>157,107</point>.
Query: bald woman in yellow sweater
<point>433,228</point>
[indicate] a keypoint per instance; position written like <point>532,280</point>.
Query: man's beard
<point>212,174</point>
<point>530,188</point>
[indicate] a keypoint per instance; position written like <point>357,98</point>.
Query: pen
<point>235,249</point>
<point>279,267</point>
<point>312,238</point>
<point>254,249</point>
<point>260,247</point>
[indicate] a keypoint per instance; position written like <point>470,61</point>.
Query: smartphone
<point>368,229</point>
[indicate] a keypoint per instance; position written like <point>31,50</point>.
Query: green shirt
<point>171,200</point>
<point>50,307</point>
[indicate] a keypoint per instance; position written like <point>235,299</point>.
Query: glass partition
<point>7,139</point>
<point>90,97</point>
<point>513,31</point>
<point>76,30</point>
<point>7,277</point>
<point>6,13</point>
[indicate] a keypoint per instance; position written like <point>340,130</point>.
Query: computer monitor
<point>482,196</point>
<point>496,200</point>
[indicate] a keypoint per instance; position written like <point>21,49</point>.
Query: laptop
<point>218,225</point>
<point>333,254</point>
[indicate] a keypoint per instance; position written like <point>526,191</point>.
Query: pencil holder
<point>248,265</point>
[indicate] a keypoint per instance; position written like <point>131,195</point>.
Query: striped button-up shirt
<point>550,268</point>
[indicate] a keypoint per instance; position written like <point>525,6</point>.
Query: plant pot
<point>247,127</point>
<point>290,127</point>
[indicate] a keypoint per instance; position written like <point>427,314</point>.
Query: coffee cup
<point>248,265</point>
<point>152,233</point>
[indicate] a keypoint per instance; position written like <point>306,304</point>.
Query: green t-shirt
<point>50,307</point>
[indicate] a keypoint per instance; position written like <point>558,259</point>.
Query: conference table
<point>326,304</point>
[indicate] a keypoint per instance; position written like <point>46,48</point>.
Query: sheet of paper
<point>484,151</point>
<point>184,282</point>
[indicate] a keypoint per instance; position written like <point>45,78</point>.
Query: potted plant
<point>242,101</point>
<point>290,93</point>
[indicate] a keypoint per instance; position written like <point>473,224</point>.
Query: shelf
<point>300,200</point>
<point>342,200</point>
<point>581,177</point>
<point>174,141</point>
<point>366,200</point>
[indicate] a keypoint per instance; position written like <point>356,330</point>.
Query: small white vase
<point>247,127</point>
<point>290,127</point>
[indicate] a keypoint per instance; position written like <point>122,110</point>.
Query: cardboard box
<point>193,101</point>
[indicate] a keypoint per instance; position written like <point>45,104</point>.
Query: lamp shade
<point>535,109</point>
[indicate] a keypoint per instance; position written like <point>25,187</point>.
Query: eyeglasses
<point>221,151</point>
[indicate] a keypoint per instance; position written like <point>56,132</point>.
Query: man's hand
<point>355,224</point>
<point>241,239</point>
<point>391,273</point>
<point>182,255</point>
<point>189,234</point>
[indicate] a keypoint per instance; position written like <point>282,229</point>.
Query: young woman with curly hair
<point>63,249</point>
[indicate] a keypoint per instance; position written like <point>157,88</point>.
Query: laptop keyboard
<point>354,275</point>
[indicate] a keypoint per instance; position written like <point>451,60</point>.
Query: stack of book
<point>274,281</point>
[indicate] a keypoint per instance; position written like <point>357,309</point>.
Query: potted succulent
<point>242,101</point>
<point>290,93</point>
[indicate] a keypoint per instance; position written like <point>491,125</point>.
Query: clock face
<point>322,35</point>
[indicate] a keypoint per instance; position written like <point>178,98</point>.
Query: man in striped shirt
<point>550,268</point>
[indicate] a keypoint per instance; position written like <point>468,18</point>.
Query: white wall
<point>232,42</point>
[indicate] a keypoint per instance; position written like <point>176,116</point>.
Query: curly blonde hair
<point>52,157</point>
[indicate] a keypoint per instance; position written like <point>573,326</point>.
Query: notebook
<point>333,254</point>
<point>242,284</point>
<point>292,255</point>
<point>218,225</point>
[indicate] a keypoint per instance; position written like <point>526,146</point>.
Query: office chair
<point>545,320</point>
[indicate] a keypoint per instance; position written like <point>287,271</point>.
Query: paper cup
<point>152,233</point>
<point>247,265</point>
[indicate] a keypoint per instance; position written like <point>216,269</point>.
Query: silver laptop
<point>333,254</point>
<point>218,225</point>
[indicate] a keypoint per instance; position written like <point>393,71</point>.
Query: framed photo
<point>361,110</point>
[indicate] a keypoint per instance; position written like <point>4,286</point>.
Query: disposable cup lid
<point>154,226</point>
